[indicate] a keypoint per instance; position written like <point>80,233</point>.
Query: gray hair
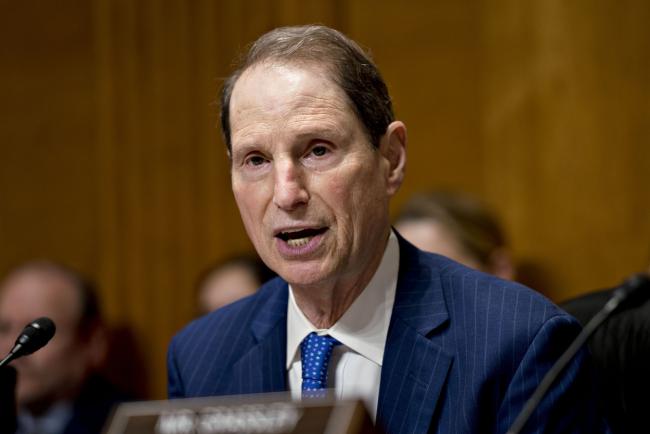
<point>351,68</point>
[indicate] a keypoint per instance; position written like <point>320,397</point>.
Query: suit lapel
<point>415,366</point>
<point>262,368</point>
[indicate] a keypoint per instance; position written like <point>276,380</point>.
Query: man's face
<point>56,370</point>
<point>312,192</point>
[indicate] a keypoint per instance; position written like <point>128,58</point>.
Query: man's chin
<point>304,276</point>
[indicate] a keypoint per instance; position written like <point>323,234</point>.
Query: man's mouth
<point>300,237</point>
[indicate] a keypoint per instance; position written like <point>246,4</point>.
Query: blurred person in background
<point>457,226</point>
<point>58,390</point>
<point>230,280</point>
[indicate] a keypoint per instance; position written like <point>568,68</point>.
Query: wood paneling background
<point>110,159</point>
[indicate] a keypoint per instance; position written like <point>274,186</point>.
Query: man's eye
<point>319,151</point>
<point>255,160</point>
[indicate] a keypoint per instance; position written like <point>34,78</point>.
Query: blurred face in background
<point>57,370</point>
<point>431,236</point>
<point>225,286</point>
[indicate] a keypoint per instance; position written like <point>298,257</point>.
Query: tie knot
<point>315,352</point>
<point>315,340</point>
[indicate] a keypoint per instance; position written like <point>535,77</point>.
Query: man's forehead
<point>292,95</point>
<point>272,85</point>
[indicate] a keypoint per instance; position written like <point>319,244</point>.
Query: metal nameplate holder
<point>273,413</point>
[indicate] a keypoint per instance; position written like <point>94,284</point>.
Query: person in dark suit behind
<point>621,353</point>
<point>58,390</point>
<point>429,344</point>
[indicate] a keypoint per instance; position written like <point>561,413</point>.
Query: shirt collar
<point>362,329</point>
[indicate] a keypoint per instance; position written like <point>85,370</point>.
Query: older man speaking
<point>430,345</point>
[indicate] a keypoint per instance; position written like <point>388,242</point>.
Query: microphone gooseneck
<point>635,290</point>
<point>33,337</point>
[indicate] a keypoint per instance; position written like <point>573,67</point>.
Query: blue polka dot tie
<point>315,353</point>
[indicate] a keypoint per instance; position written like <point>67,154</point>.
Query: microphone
<point>33,337</point>
<point>634,291</point>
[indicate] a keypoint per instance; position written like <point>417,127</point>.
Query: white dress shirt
<point>355,367</point>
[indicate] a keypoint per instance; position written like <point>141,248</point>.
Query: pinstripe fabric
<point>464,352</point>
<point>239,349</point>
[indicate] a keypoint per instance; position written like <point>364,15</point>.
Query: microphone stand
<point>8,421</point>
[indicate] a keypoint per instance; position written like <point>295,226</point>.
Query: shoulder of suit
<point>485,291</point>
<point>237,312</point>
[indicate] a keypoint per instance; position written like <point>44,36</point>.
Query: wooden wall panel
<point>566,134</point>
<point>111,160</point>
<point>428,56</point>
<point>46,135</point>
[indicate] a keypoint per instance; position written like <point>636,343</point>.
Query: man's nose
<point>290,191</point>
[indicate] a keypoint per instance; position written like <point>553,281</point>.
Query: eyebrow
<point>307,133</point>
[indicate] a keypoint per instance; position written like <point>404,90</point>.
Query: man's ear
<point>393,149</point>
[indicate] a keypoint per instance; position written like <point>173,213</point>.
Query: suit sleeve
<point>175,387</point>
<point>570,405</point>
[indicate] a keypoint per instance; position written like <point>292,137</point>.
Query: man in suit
<point>428,344</point>
<point>58,390</point>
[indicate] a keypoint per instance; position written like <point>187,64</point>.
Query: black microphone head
<point>634,291</point>
<point>35,335</point>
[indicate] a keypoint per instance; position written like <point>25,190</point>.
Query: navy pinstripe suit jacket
<point>464,352</point>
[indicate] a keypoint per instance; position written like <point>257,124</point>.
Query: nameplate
<point>251,414</point>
